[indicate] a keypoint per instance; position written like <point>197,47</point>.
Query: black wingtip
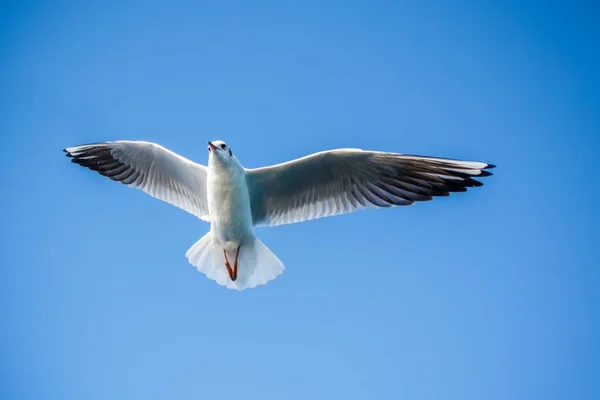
<point>490,166</point>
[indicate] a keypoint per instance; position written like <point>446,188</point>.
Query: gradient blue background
<point>490,294</point>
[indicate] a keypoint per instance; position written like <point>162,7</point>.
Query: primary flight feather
<point>235,199</point>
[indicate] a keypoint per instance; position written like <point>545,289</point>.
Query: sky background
<point>489,294</point>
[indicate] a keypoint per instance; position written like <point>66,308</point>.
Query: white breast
<point>229,205</point>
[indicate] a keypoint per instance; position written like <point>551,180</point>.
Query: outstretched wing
<point>149,167</point>
<point>345,180</point>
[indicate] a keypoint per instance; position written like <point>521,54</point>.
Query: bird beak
<point>212,146</point>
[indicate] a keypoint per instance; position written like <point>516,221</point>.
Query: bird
<point>234,199</point>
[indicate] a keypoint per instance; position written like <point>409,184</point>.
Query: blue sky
<point>488,294</point>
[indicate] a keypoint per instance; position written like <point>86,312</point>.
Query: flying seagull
<point>235,199</point>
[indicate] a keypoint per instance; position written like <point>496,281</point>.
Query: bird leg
<point>232,271</point>
<point>237,253</point>
<point>229,269</point>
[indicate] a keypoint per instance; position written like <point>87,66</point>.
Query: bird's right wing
<point>150,167</point>
<point>345,180</point>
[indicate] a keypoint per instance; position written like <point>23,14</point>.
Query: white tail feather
<point>256,263</point>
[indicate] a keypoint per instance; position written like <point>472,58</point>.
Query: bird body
<point>235,199</point>
<point>228,203</point>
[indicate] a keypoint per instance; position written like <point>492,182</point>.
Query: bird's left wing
<point>345,180</point>
<point>149,167</point>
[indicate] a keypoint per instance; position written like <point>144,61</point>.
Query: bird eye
<point>223,146</point>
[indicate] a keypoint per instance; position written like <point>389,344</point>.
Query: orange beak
<point>212,146</point>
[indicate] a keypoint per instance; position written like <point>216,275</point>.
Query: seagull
<point>234,199</point>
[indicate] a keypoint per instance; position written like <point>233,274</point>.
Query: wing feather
<point>345,180</point>
<point>149,167</point>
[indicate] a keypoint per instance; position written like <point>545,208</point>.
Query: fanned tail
<point>257,265</point>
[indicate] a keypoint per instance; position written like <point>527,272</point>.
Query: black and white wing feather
<point>149,167</point>
<point>345,180</point>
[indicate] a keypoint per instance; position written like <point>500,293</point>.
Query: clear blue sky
<point>489,294</point>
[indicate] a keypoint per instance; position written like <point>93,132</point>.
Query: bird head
<point>219,151</point>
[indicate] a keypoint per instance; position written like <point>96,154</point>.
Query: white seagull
<point>235,199</point>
